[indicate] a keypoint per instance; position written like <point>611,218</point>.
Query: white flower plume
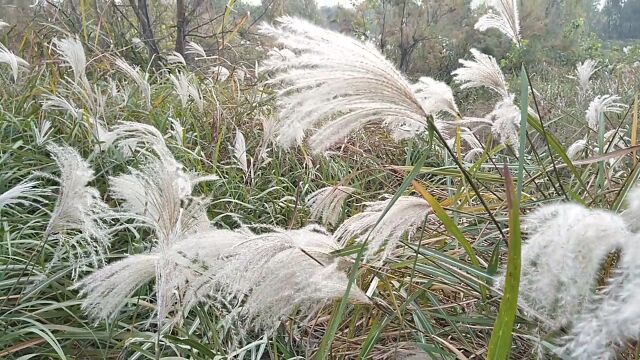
<point>505,19</point>
<point>186,89</point>
<point>278,273</point>
<point>505,119</point>
<point>78,219</point>
<point>604,328</point>
<point>436,96</point>
<point>240,151</point>
<point>584,71</point>
<point>601,105</point>
<point>26,193</point>
<point>577,148</point>
<point>406,215</point>
<point>561,259</point>
<point>72,52</point>
<point>334,85</point>
<point>632,213</point>
<point>482,71</point>
<point>219,73</point>
<point>195,48</point>
<point>15,62</point>
<point>326,203</point>
<point>134,73</point>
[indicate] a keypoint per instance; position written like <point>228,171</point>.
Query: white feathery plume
<point>55,102</point>
<point>505,119</point>
<point>482,71</point>
<point>436,96</point>
<point>506,19</point>
<point>576,149</point>
<point>107,290</point>
<point>277,273</point>
<point>175,58</point>
<point>282,271</point>
<point>15,62</point>
<point>601,105</point>
<point>561,259</point>
<point>195,48</point>
<point>78,219</point>
<point>134,73</point>
<point>219,73</point>
<point>240,151</point>
<point>336,84</point>
<point>131,137</point>
<point>72,52</point>
<point>42,131</point>
<point>604,328</point>
<point>185,90</point>
<point>25,193</point>
<point>176,131</point>
<point>584,71</point>
<point>159,196</point>
<point>632,213</point>
<point>406,215</point>
<point>326,203</point>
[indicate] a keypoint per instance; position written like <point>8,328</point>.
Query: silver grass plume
<point>577,148</point>
<point>561,259</point>
<point>15,62</point>
<point>159,196</point>
<point>406,215</point>
<point>504,121</point>
<point>281,272</point>
<point>195,48</point>
<point>240,151</point>
<point>107,290</point>
<point>584,71</point>
<point>219,73</point>
<point>505,19</point>
<point>334,85</point>
<point>72,52</point>
<point>482,71</point>
<point>612,322</point>
<point>78,221</point>
<point>601,105</point>
<point>186,89</point>
<point>26,193</point>
<point>632,213</point>
<point>134,73</point>
<point>326,203</point>
<point>276,273</point>
<point>175,58</point>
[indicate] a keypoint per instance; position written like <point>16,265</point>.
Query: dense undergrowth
<point>438,199</point>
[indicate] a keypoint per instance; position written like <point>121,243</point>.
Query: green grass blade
<point>500,343</point>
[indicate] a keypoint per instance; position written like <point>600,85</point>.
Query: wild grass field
<point>288,192</point>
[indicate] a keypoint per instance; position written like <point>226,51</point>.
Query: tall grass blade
<point>500,343</point>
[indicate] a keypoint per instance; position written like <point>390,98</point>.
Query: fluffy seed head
<point>332,85</point>
<point>15,62</point>
<point>482,71</point>
<point>505,19</point>
<point>326,203</point>
<point>601,105</point>
<point>406,215</point>
<point>562,256</point>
